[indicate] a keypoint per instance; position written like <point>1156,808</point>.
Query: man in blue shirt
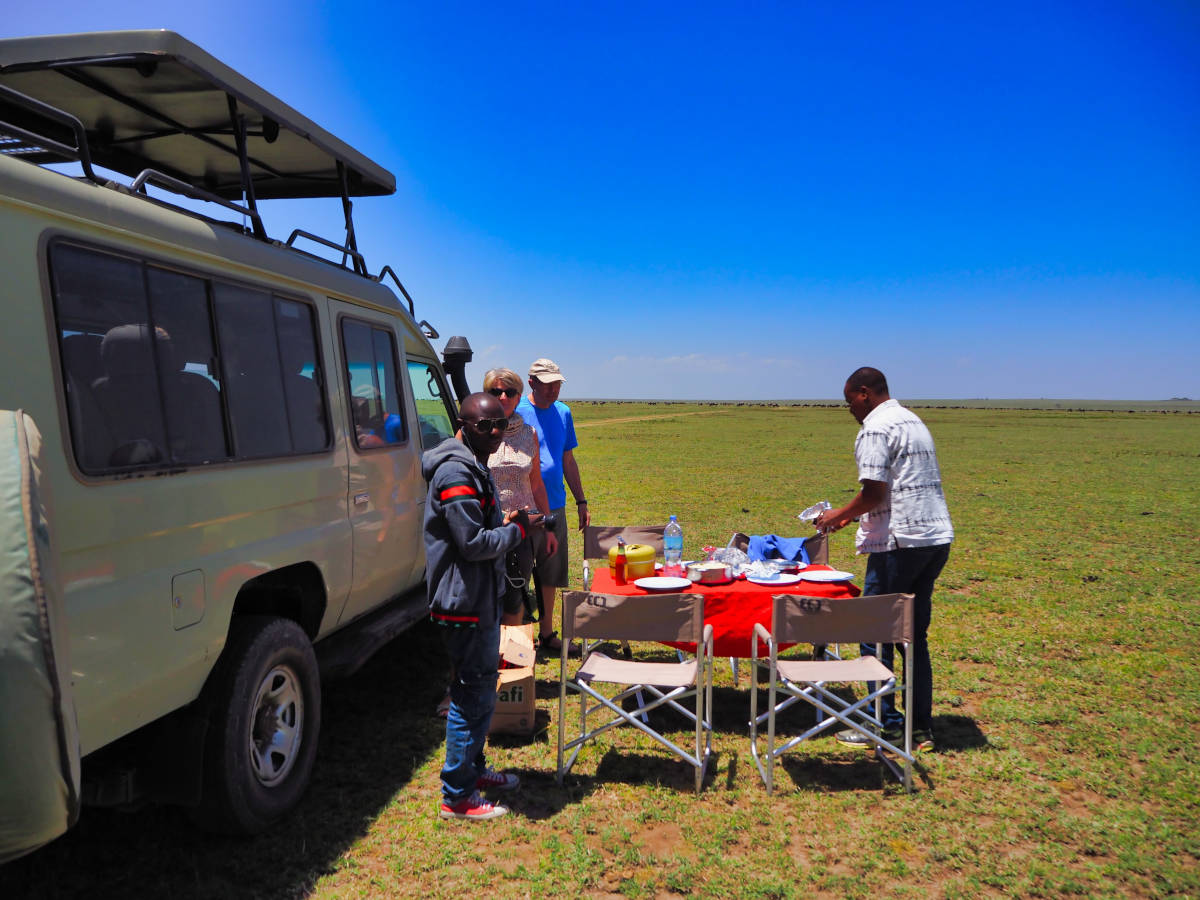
<point>556,439</point>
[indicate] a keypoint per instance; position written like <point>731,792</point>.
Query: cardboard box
<point>516,645</point>
<point>515,689</point>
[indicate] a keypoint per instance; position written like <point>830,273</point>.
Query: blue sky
<point>750,200</point>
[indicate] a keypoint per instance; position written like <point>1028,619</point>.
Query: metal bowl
<point>710,573</point>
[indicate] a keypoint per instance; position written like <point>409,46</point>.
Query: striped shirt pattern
<point>895,447</point>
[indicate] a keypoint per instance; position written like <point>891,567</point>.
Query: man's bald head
<point>865,389</point>
<point>870,378</point>
<point>483,421</point>
<point>480,405</point>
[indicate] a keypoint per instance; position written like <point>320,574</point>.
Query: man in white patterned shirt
<point>904,526</point>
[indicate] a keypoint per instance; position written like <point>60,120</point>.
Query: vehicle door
<point>432,409</point>
<point>385,487</point>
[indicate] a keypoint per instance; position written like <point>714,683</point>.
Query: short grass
<point>1066,684</point>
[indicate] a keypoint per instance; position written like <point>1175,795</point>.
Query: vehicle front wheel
<point>263,702</point>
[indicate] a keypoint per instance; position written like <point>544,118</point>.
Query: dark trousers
<point>910,570</point>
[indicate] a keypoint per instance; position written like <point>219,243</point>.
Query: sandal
<point>551,645</point>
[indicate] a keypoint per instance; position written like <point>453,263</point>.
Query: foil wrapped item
<point>810,514</point>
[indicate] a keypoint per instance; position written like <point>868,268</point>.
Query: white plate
<point>663,583</point>
<point>826,575</point>
<point>779,578</point>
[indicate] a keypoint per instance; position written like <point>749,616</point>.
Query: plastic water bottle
<point>673,548</point>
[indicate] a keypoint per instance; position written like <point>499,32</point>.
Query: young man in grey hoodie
<point>466,540</point>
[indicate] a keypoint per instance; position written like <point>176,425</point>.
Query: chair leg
<point>641,702</point>
<point>908,715</point>
<point>699,730</point>
<point>703,719</point>
<point>771,731</point>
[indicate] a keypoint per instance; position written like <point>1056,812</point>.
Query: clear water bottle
<point>673,548</point>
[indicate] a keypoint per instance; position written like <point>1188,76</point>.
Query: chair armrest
<point>761,632</point>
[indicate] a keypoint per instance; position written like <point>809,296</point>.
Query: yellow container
<point>639,561</point>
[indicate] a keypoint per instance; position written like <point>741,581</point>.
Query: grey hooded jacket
<point>465,540</point>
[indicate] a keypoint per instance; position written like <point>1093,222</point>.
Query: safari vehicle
<point>231,427</point>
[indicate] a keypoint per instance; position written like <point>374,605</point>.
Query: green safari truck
<point>220,431</point>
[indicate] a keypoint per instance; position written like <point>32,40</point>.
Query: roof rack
<point>155,107</point>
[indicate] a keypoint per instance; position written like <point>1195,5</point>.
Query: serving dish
<point>709,572</point>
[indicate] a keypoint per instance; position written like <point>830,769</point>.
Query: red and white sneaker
<point>474,807</point>
<point>491,780</point>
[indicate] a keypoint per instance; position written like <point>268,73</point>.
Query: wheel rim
<point>277,726</point>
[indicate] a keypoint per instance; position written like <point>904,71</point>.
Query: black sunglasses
<point>504,392</point>
<point>486,426</point>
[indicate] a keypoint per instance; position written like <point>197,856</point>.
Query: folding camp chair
<point>599,539</point>
<point>655,617</point>
<point>877,619</point>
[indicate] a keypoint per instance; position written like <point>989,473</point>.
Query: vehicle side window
<point>257,408</point>
<point>164,368</point>
<point>109,359</point>
<point>433,413</point>
<point>187,366</point>
<point>376,398</point>
<point>303,382</point>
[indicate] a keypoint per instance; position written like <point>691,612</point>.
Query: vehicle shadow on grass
<point>377,727</point>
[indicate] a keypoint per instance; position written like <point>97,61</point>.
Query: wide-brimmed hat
<point>546,371</point>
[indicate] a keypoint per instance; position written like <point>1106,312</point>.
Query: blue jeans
<point>475,655</point>
<point>910,570</point>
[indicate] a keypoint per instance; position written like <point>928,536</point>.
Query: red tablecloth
<point>733,609</point>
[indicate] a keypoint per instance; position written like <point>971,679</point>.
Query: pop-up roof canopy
<point>154,100</point>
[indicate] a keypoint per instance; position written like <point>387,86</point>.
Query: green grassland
<point>1066,689</point>
<point>1173,405</point>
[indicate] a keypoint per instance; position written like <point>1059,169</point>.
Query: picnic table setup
<point>750,600</point>
<point>734,607</point>
<point>736,581</point>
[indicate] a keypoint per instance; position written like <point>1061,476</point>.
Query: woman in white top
<point>517,470</point>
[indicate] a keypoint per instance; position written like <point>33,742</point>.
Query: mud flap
<point>39,739</point>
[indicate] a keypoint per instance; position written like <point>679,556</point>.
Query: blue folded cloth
<point>772,546</point>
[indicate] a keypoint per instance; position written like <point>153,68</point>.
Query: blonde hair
<point>505,378</point>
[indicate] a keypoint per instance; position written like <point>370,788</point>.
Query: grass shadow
<point>539,735</point>
<point>540,796</point>
<point>855,770</point>
<point>546,689</point>
<point>659,769</point>
<point>955,732</point>
<point>378,727</point>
